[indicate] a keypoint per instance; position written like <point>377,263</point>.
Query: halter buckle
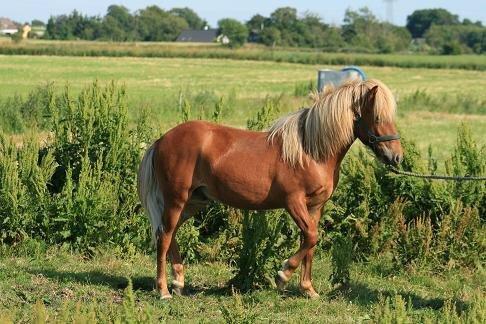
<point>372,138</point>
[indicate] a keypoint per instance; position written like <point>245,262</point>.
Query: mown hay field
<point>156,83</point>
<point>249,52</point>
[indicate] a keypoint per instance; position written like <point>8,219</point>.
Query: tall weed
<point>79,187</point>
<point>430,219</point>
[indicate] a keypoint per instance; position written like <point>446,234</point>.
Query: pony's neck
<point>335,161</point>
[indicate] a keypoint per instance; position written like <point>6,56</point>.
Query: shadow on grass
<point>143,283</point>
<point>362,294</point>
<point>97,278</point>
<point>356,292</point>
<point>192,290</point>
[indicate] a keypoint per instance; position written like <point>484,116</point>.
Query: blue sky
<point>212,10</point>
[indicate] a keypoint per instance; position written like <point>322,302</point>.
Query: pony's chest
<point>318,185</point>
<point>319,194</point>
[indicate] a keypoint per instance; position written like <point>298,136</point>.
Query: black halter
<point>372,138</point>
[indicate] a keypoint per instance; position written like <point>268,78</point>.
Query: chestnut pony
<point>295,165</point>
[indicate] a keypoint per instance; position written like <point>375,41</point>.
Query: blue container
<point>325,77</point>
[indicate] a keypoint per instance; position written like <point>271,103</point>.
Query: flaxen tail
<point>149,192</point>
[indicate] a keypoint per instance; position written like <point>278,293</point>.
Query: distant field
<point>153,77</point>
<point>156,83</point>
<point>249,52</point>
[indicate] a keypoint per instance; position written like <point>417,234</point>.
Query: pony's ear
<point>371,96</point>
<point>372,93</point>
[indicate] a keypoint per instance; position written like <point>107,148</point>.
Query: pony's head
<point>337,116</point>
<point>374,122</point>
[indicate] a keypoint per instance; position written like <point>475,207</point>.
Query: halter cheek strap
<point>372,138</point>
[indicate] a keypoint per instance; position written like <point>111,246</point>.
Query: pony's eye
<point>377,119</point>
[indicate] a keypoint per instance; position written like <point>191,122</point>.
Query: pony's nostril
<point>398,158</point>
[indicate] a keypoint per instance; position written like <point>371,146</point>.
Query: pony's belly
<point>242,193</point>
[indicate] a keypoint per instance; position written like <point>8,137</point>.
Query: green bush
<point>432,222</point>
<point>268,238</point>
<point>17,114</point>
<point>80,188</point>
<point>342,258</point>
<point>422,101</point>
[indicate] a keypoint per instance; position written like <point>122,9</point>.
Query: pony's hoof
<point>165,296</point>
<point>310,293</point>
<point>177,288</point>
<point>281,280</point>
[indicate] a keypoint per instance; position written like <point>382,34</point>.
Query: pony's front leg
<point>306,275</point>
<point>308,224</point>
<point>306,271</point>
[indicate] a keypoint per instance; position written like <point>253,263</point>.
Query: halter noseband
<point>372,138</point>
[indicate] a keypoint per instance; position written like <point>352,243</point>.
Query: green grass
<point>156,82</point>
<point>249,52</point>
<point>154,77</point>
<point>61,280</point>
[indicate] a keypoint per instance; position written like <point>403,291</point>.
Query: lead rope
<point>373,139</point>
<point>435,177</point>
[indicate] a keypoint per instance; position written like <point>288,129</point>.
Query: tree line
<point>430,30</point>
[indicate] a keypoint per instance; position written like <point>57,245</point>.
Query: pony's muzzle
<point>397,159</point>
<point>390,157</point>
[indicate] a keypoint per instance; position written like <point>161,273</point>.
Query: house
<point>223,39</point>
<point>198,36</point>
<point>8,27</point>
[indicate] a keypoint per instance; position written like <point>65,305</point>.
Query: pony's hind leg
<point>197,202</point>
<point>170,219</point>
<point>177,267</point>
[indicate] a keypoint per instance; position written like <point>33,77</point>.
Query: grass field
<point>62,285</point>
<point>63,281</point>
<point>249,52</point>
<point>156,82</point>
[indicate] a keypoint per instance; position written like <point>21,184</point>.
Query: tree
<point>38,23</point>
<point>257,22</point>
<point>362,30</point>
<point>155,24</point>
<point>255,26</point>
<point>234,30</point>
<point>421,20</point>
<point>359,25</point>
<point>457,39</point>
<point>271,36</point>
<point>118,24</point>
<point>190,16</point>
<point>469,22</point>
<point>73,26</point>
<point>313,30</point>
<point>291,29</point>
<point>284,18</point>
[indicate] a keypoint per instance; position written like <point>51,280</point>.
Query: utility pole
<point>389,10</point>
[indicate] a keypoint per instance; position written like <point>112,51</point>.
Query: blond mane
<point>325,128</point>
